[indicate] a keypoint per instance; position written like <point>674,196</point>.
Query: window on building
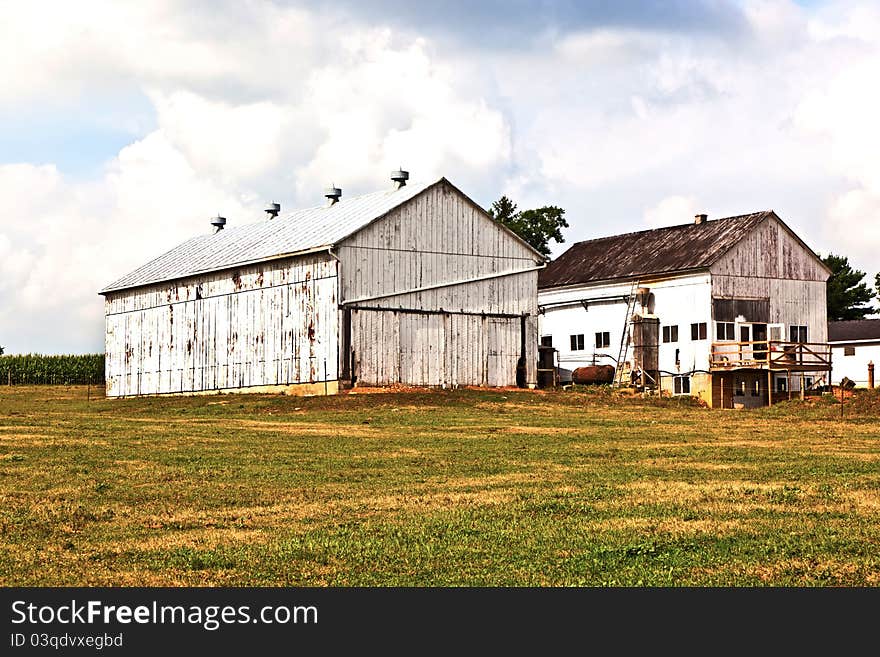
<point>808,382</point>
<point>756,389</point>
<point>849,351</point>
<point>546,340</point>
<point>577,342</point>
<point>698,331</point>
<point>725,331</point>
<point>670,333</point>
<point>603,339</point>
<point>678,356</point>
<point>681,385</point>
<point>781,384</point>
<point>739,389</point>
<point>798,333</point>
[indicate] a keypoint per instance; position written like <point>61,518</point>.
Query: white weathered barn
<point>412,285</point>
<point>729,308</point>
<point>855,344</point>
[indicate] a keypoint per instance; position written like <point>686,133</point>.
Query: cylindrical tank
<point>593,374</point>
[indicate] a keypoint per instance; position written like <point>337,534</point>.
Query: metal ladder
<point>624,338</point>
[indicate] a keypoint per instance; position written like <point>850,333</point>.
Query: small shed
<point>414,284</point>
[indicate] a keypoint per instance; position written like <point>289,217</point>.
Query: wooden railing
<point>771,354</point>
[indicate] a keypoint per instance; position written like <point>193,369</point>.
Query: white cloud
<point>672,211</point>
<point>235,142</point>
<point>246,100</point>
<point>622,127</point>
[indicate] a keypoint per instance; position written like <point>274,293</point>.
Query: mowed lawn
<point>442,488</point>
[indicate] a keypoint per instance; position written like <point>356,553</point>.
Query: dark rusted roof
<point>657,251</point>
<point>854,329</point>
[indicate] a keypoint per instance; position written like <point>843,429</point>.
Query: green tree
<point>847,295</point>
<point>537,226</point>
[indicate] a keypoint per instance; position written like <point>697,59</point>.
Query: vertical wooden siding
<point>442,350</point>
<point>771,264</point>
<point>269,324</point>
<point>439,239</point>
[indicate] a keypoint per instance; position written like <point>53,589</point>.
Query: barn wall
<point>270,324</point>
<point>439,240</point>
<point>855,365</point>
<point>678,301</point>
<point>770,251</point>
<point>770,266</point>
<point>447,348</point>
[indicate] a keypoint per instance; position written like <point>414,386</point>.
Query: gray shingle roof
<point>854,329</point>
<point>297,232</point>
<point>657,251</point>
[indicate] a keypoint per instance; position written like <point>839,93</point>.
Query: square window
<point>670,333</point>
<point>798,333</point>
<point>681,385</point>
<point>603,339</point>
<point>577,342</point>
<point>725,331</point>
<point>546,340</point>
<point>698,331</point>
<point>849,351</point>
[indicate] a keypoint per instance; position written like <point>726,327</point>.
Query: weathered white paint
<point>445,334</point>
<point>771,263</point>
<point>261,325</point>
<point>279,323</point>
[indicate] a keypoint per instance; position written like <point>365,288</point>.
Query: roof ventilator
<point>399,178</point>
<point>332,194</point>
<point>218,223</point>
<point>272,209</point>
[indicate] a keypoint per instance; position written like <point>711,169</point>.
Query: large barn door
<point>503,339</point>
<point>422,349</point>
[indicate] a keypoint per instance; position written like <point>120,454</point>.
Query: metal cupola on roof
<point>272,209</point>
<point>332,194</point>
<point>399,178</point>
<point>218,223</point>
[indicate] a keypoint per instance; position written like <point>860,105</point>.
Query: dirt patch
<point>310,429</point>
<point>517,429</point>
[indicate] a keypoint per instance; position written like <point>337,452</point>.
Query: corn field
<point>37,369</point>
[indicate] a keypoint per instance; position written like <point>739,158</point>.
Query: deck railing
<point>771,354</point>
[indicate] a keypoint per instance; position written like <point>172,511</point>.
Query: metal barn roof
<point>854,329</point>
<point>658,251</point>
<point>300,231</point>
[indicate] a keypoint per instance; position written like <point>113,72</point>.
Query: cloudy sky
<point>125,126</point>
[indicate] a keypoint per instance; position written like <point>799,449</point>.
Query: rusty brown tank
<point>593,374</point>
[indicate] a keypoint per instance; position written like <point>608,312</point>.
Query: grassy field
<point>464,487</point>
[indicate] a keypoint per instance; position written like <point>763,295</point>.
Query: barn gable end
<point>437,293</point>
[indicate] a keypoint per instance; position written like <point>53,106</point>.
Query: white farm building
<point>855,345</point>
<point>731,310</point>
<point>411,285</point>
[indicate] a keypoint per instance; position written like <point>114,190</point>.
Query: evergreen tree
<point>847,295</point>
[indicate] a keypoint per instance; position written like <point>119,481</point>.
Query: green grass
<point>444,488</point>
